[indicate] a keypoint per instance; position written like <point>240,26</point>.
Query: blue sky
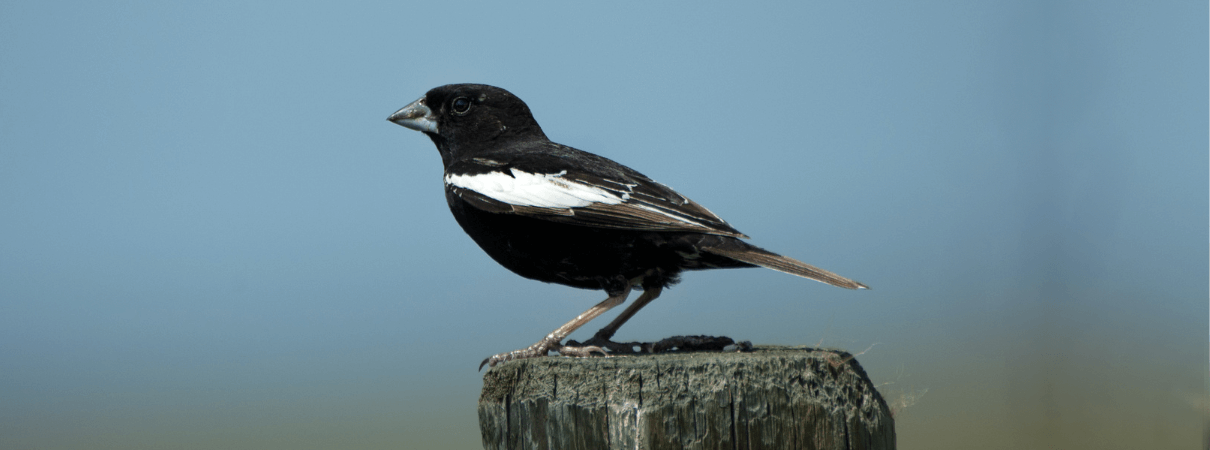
<point>213,238</point>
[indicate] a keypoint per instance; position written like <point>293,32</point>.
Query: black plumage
<point>553,213</point>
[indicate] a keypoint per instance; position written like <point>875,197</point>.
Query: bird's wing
<point>602,194</point>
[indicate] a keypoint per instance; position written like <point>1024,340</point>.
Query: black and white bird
<point>556,214</point>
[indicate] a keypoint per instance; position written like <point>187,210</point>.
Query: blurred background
<point>212,237</point>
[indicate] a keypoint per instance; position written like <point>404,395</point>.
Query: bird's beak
<point>416,116</point>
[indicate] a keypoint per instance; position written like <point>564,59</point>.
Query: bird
<point>553,213</point>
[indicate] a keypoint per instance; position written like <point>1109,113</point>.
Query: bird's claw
<point>601,340</point>
<point>538,349</point>
<point>541,348</point>
<point>617,348</point>
<point>581,351</point>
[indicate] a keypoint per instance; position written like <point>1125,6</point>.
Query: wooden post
<point>770,398</point>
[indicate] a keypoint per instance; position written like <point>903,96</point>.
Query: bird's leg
<point>601,339</point>
<point>553,340</point>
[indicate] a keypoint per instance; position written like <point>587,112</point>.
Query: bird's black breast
<point>579,256</point>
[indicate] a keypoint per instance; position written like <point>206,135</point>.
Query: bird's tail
<point>752,254</point>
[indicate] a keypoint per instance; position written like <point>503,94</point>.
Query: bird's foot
<point>618,348</point>
<point>541,348</point>
<point>581,351</point>
<point>672,344</point>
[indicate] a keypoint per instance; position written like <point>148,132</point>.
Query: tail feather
<point>765,258</point>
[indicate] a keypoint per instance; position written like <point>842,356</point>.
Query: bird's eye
<point>461,105</point>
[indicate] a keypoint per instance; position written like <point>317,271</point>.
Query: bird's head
<point>464,118</point>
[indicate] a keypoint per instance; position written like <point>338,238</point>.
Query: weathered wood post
<point>770,398</point>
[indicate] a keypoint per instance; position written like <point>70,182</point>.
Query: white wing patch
<point>540,190</point>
